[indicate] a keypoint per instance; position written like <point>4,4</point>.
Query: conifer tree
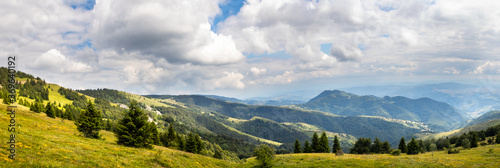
<point>377,146</point>
<point>89,121</point>
<point>199,144</point>
<point>296,147</point>
<point>49,110</point>
<point>133,129</point>
<point>497,140</point>
<point>315,143</point>
<point>402,145</point>
<point>413,147</point>
<point>182,142</point>
<point>324,147</point>
<point>336,145</point>
<point>191,143</point>
<point>307,147</point>
<point>171,137</point>
<point>474,141</point>
<point>386,146</point>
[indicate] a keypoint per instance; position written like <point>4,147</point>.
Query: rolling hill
<point>440,116</point>
<point>358,126</point>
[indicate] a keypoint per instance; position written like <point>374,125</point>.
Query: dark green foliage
<point>315,143</point>
<point>194,143</point>
<point>217,154</point>
<point>453,151</point>
<point>170,138</point>
<point>34,89</point>
<point>182,142</point>
<point>296,147</point>
<point>49,110</point>
<point>377,146</point>
<point>474,141</point>
<point>396,152</point>
<point>442,143</point>
<point>336,145</point>
<point>265,155</point>
<point>107,94</point>
<point>361,146</point>
<point>386,147</point>
<point>413,147</point>
<point>89,122</point>
<point>307,147</point>
<point>497,140</point>
<point>466,143</point>
<point>402,145</point>
<point>323,147</point>
<point>133,129</point>
<point>271,130</point>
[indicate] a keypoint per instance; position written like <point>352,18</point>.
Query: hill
<point>492,115</point>
<point>48,142</point>
<point>359,126</point>
<point>458,132</point>
<point>440,116</point>
<point>474,99</point>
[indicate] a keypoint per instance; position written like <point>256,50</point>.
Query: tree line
<point>318,145</point>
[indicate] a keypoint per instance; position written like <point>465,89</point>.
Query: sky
<point>251,48</point>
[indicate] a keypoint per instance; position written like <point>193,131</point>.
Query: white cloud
<point>256,71</point>
<point>53,60</point>
<point>488,68</point>
<point>178,31</point>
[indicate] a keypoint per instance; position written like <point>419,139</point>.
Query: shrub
<point>265,155</point>
<point>339,153</point>
<point>396,152</point>
<point>453,151</point>
<point>483,144</point>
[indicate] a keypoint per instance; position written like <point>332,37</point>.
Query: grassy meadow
<point>46,142</point>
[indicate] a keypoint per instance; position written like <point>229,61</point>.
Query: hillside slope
<point>440,116</point>
<point>359,126</point>
<point>46,142</point>
<point>492,115</point>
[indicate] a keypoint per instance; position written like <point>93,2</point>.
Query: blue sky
<point>252,48</point>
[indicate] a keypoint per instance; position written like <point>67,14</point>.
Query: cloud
<point>53,60</point>
<point>177,31</point>
<point>256,71</point>
<point>488,68</point>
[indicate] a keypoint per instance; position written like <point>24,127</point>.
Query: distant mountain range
<point>475,100</point>
<point>440,116</point>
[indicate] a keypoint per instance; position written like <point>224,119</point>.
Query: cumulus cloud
<point>177,31</point>
<point>488,68</point>
<point>53,60</point>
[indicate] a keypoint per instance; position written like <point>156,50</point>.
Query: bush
<point>265,155</point>
<point>396,152</point>
<point>483,144</point>
<point>453,151</point>
<point>339,153</point>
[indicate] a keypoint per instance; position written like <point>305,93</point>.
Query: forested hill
<point>359,126</point>
<point>440,116</point>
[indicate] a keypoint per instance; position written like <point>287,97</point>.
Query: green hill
<point>359,126</point>
<point>492,115</point>
<point>440,116</point>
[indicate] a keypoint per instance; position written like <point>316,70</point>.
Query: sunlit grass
<point>46,142</point>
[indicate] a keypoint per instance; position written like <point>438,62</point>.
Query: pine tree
<point>377,146</point>
<point>413,147</point>
<point>307,147</point>
<point>315,143</point>
<point>199,144</point>
<point>182,142</point>
<point>171,138</point>
<point>49,110</point>
<point>154,133</point>
<point>296,147</point>
<point>386,146</point>
<point>474,141</point>
<point>336,145</point>
<point>133,129</point>
<point>497,140</point>
<point>90,121</point>
<point>402,145</point>
<point>324,147</point>
<point>265,155</point>
<point>191,143</point>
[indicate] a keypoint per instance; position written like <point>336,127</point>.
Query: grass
<point>45,142</point>
<point>477,157</point>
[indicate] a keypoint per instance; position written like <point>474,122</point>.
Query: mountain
<point>474,99</point>
<point>492,115</point>
<point>358,126</point>
<point>440,116</point>
<point>259,101</point>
